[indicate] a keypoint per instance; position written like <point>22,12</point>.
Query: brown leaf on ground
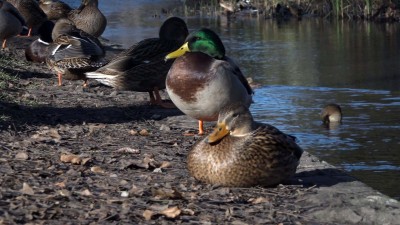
<point>258,200</point>
<point>128,150</point>
<point>144,132</point>
<point>172,212</point>
<point>86,192</point>
<point>71,158</point>
<point>164,193</point>
<point>26,189</point>
<point>96,169</point>
<point>147,214</point>
<point>22,156</point>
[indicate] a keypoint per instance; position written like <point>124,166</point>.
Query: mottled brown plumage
<point>55,9</point>
<point>31,12</point>
<point>74,50</point>
<point>89,18</point>
<point>142,67</point>
<point>243,153</point>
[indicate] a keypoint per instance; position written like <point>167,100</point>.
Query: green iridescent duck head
<point>203,40</point>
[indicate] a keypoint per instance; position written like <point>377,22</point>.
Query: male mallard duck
<point>73,51</point>
<point>89,18</point>
<point>37,51</point>
<point>243,153</point>
<point>55,9</point>
<point>142,67</point>
<point>203,80</point>
<point>331,113</point>
<point>11,22</point>
<point>31,12</point>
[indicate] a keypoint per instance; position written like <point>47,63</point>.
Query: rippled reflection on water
<point>303,66</point>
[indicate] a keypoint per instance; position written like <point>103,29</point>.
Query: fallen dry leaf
<point>172,212</point>
<point>86,192</point>
<point>96,169</point>
<point>133,132</point>
<point>258,200</point>
<point>128,150</point>
<point>144,132</point>
<point>71,158</point>
<point>64,193</point>
<point>21,156</point>
<point>60,184</point>
<point>26,189</point>
<point>165,164</point>
<point>147,214</point>
<point>164,193</point>
<point>188,212</point>
<point>136,191</point>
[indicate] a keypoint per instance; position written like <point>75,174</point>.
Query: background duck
<point>31,12</point>
<point>331,116</point>
<point>55,9</point>
<point>11,22</point>
<point>89,18</point>
<point>243,153</point>
<point>73,51</point>
<point>202,79</point>
<point>37,51</point>
<point>331,113</point>
<point>142,67</point>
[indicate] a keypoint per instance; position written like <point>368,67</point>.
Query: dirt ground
<point>74,155</point>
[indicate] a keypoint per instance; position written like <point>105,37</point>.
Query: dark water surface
<point>303,65</point>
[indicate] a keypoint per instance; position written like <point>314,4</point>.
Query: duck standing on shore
<point>142,67</point>
<point>202,80</point>
<point>31,12</point>
<point>243,153</point>
<point>11,22</point>
<point>89,18</point>
<point>73,51</point>
<point>55,9</point>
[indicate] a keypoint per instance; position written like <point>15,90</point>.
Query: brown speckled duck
<point>89,18</point>
<point>55,9</point>
<point>73,51</point>
<point>37,51</point>
<point>11,22</point>
<point>202,80</point>
<point>142,67</point>
<point>331,113</point>
<point>31,12</point>
<point>243,153</point>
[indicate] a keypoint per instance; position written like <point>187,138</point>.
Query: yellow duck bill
<point>179,52</point>
<point>220,131</point>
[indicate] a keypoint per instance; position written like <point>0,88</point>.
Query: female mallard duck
<point>331,113</point>
<point>142,67</point>
<point>37,51</point>
<point>243,153</point>
<point>11,22</point>
<point>73,51</point>
<point>89,18</point>
<point>203,80</point>
<point>55,9</point>
<point>31,12</point>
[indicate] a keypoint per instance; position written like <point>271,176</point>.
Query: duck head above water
<point>331,113</point>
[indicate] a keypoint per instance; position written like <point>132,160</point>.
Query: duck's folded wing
<point>235,70</point>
